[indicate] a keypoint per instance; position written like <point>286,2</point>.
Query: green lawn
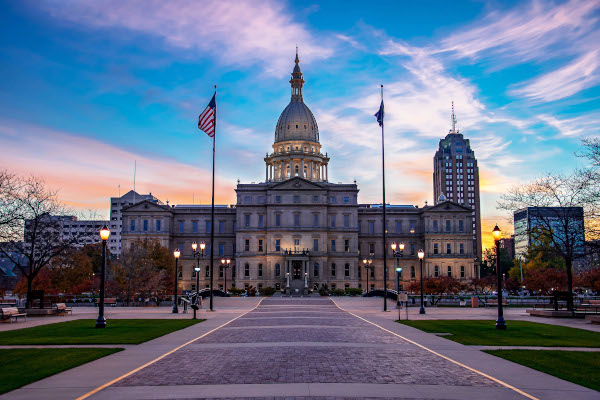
<point>579,367</point>
<point>84,331</point>
<point>23,366</point>
<point>519,333</point>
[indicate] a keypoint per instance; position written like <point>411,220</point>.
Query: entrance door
<point>297,269</point>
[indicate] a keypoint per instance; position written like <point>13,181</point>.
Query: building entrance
<point>296,269</point>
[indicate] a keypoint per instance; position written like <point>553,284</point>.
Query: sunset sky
<point>90,86</point>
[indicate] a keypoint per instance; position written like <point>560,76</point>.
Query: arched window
<point>449,270</point>
<point>305,171</point>
<point>412,273</point>
<point>296,170</point>
<point>287,172</point>
<point>436,271</point>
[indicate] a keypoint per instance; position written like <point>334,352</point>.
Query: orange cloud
<point>488,224</point>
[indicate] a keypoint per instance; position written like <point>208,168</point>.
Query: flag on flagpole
<point>379,114</point>
<point>207,120</point>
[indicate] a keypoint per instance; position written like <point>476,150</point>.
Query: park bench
<point>494,302</point>
<point>11,313</point>
<point>61,308</point>
<point>109,301</point>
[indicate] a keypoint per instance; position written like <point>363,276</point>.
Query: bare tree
<point>561,202</point>
<point>33,237</point>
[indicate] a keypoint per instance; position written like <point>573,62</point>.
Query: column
<point>326,172</point>
<point>266,172</point>
<point>302,168</point>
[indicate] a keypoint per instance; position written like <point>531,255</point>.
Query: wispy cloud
<point>581,74</point>
<point>583,125</point>
<point>234,32</point>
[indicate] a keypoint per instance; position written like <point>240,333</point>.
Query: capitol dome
<point>297,122</point>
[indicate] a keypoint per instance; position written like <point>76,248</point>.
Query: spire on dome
<point>297,80</point>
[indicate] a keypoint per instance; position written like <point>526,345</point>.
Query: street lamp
<point>197,255</point>
<point>368,267</point>
<point>500,323</point>
<point>421,255</point>
<point>397,255</point>
<point>104,235</point>
<point>176,254</point>
<point>225,264</point>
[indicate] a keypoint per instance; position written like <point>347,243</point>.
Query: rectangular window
<point>220,272</point>
<point>259,270</point>
<point>462,271</point>
<point>247,220</point>
<point>346,245</point>
<point>448,227</point>
<point>247,245</point>
<point>247,270</point>
<point>316,269</point>
<point>315,244</point>
<point>247,199</point>
<point>296,199</point>
<point>277,270</point>
<point>371,226</point>
<point>448,248</point>
<point>260,221</point>
<point>347,270</point>
<point>277,220</point>
<point>462,248</point>
<point>435,248</point>
<point>461,225</point>
<point>180,226</point>
<point>208,227</point>
<point>332,217</point>
<point>260,245</point>
<point>333,271</point>
<point>221,226</point>
<point>277,199</point>
<point>371,248</point>
<point>315,199</point>
<point>346,221</point>
<point>221,249</point>
<point>412,249</point>
<point>297,220</point>
<point>412,226</point>
<point>278,245</point>
<point>145,225</point>
<point>398,226</point>
<point>132,225</point>
<point>332,199</point>
<point>316,220</point>
<point>333,245</point>
<point>435,226</point>
<point>195,226</point>
<point>346,199</point>
<point>158,225</point>
<point>449,271</point>
<point>234,226</point>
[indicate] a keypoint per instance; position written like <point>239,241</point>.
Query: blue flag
<point>379,114</point>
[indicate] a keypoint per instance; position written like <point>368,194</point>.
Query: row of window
<point>461,248</point>
<point>297,199</point>
<point>262,247</point>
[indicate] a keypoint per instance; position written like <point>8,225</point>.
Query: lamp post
<point>500,323</point>
<point>104,235</point>
<point>368,267</point>
<point>397,255</point>
<point>225,264</point>
<point>176,254</point>
<point>421,255</point>
<point>197,255</point>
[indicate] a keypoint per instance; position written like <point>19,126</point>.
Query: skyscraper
<point>456,177</point>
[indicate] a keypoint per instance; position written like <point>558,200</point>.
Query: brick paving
<point>399,362</point>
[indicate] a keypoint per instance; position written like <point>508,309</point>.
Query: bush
<point>354,291</point>
<point>236,291</point>
<point>267,291</point>
<point>251,291</point>
<point>337,292</point>
<point>324,291</point>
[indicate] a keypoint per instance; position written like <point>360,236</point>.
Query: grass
<point>518,333</point>
<point>84,331</point>
<point>579,367</point>
<point>23,366</point>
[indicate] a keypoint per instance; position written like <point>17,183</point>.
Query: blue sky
<point>90,86</point>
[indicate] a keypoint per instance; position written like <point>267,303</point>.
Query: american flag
<point>207,120</point>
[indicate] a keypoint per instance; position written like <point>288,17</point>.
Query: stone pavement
<point>305,349</point>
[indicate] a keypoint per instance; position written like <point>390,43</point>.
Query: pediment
<point>297,183</point>
<point>448,206</point>
<point>147,205</point>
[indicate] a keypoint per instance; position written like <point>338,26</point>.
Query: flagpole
<point>384,216</point>
<point>212,211</point>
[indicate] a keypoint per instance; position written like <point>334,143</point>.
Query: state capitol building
<point>296,231</point>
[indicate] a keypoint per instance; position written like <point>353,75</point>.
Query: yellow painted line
<point>107,384</point>
<point>444,357</point>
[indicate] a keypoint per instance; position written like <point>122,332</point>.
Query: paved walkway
<point>301,348</point>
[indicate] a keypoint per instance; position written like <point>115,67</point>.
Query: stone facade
<point>296,231</point>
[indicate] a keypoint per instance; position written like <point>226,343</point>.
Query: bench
<point>11,313</point>
<point>495,302</point>
<point>61,308</point>
<point>8,302</point>
<point>109,301</point>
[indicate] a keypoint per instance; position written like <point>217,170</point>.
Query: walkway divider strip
<point>107,384</point>
<point>443,356</point>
